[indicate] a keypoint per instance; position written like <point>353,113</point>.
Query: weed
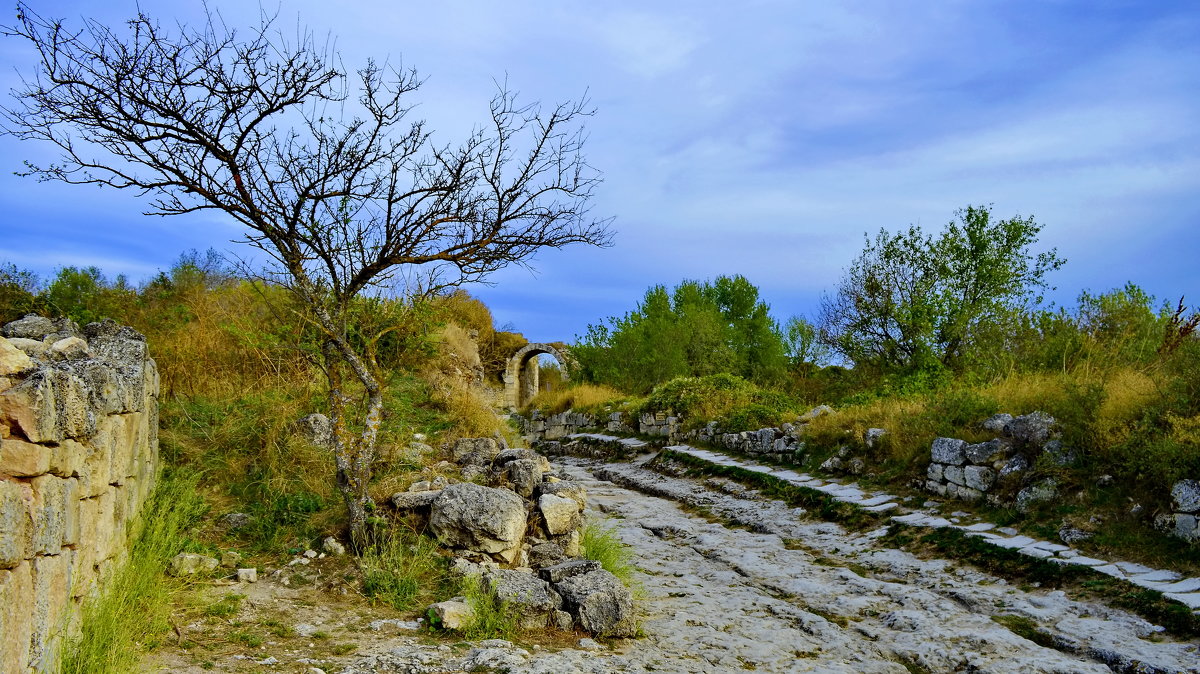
<point>227,607</point>
<point>602,545</point>
<point>491,617</point>
<point>343,649</point>
<point>403,570</point>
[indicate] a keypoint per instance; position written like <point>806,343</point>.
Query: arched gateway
<point>521,373</point>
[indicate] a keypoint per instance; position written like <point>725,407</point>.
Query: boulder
<point>474,451</point>
<point>545,554</point>
<point>247,575</point>
<point>560,514</point>
<point>569,569</point>
<point>31,327</point>
<point>1185,496</point>
<point>414,500</point>
<point>333,547</point>
<point>600,603</point>
<point>949,451</point>
<point>873,436</point>
<point>818,411</point>
<point>1187,527</point>
<point>523,475</point>
<point>986,453</point>
<point>69,348</point>
<point>1038,492</point>
<point>1030,430</point>
<point>530,598</point>
<point>996,422</point>
<point>232,521</point>
<point>572,490</point>
<point>1014,467</point>
<point>1072,535</point>
<point>478,518</point>
<point>454,614</point>
<point>509,455</point>
<point>1059,455</point>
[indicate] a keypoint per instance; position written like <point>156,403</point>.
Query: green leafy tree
<point>910,301</point>
<point>696,329</point>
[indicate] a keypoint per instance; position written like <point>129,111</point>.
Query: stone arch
<point>521,373</point>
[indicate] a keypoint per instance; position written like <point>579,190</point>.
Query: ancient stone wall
<point>78,457</point>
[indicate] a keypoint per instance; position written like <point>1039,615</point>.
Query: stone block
<point>49,406</point>
<point>16,522</point>
<point>96,474</point>
<point>935,472</point>
<point>986,453</point>
<point>1185,494</point>
<point>967,493</point>
<point>1186,527</point>
<point>49,514</point>
<point>12,359</point>
<point>560,514</point>
<point>67,458</point>
<point>51,599</point>
<point>950,451</point>
<point>979,477</point>
<point>954,474</point>
<point>70,511</point>
<point>23,459</point>
<point>16,628</point>
<point>935,487</point>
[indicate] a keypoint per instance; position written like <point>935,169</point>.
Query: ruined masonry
<point>78,457</point>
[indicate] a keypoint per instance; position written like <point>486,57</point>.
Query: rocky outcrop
<point>78,457</point>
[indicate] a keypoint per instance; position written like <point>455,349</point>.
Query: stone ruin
<point>78,458</point>
<point>519,534</point>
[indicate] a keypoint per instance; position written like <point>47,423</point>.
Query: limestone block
<point>949,451</point>
<point>12,359</point>
<point>48,406</point>
<point>49,514</point>
<point>70,511</point>
<point>23,459</point>
<point>110,394</point>
<point>34,348</point>
<point>986,453</point>
<point>16,629</point>
<point>67,458</point>
<point>935,487</point>
<point>97,466</point>
<point>103,528</point>
<point>560,514</point>
<point>31,326</point>
<point>479,518</point>
<point>51,598</point>
<point>16,522</point>
<point>70,348</point>
<point>954,474</point>
<point>967,493</point>
<point>1186,527</point>
<point>451,615</point>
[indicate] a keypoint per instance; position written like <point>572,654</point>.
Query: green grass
<point>602,545</point>
<point>491,617</point>
<point>404,570</point>
<point>131,614</point>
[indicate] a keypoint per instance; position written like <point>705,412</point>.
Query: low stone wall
<point>78,457</point>
<point>1184,520</point>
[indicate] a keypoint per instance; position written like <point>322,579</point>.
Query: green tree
<point>696,329</point>
<point>910,301</point>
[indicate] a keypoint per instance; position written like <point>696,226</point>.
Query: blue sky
<point>753,138</point>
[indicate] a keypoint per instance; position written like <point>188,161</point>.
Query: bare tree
<point>322,166</point>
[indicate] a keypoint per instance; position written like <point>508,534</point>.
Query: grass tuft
<point>131,614</point>
<point>491,617</point>
<point>403,571</point>
<point>602,545</point>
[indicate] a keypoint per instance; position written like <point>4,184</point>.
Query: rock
<point>856,466</point>
<point>560,514</point>
<point>949,451</point>
<point>978,477</point>
<point>935,472</point>
<point>818,411</point>
<point>1030,430</point>
<point>561,620</point>
<point>873,436</point>
<point>527,596</point>
<point>954,474</point>
<point>602,605</point>
<point>231,521</point>
<point>414,500</point>
<point>479,518</point>
<point>190,564</point>
<point>474,451</point>
<point>1186,527</point>
<point>986,453</point>
<point>310,554</point>
<point>316,430</point>
<point>545,554</point>
<point>996,422</point>
<point>590,644</point>
<point>247,575</point>
<point>69,348</point>
<point>1185,496</point>
<point>332,546</point>
<point>31,327</point>
<point>1058,455</point>
<point>523,475</point>
<point>1105,481</point>
<point>450,615</point>
<point>1039,492</point>
<point>576,567</point>
<point>494,655</point>
<point>507,455</point>
<point>306,630</point>
<point>34,348</point>
<point>230,559</point>
<point>1072,535</point>
<point>13,360</point>
<point>832,465</point>
<point>565,488</point>
<point>1014,466</point>
<point>24,459</point>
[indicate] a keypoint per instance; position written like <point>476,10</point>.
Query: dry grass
<point>579,397</point>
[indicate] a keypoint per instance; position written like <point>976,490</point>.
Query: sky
<point>755,138</point>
